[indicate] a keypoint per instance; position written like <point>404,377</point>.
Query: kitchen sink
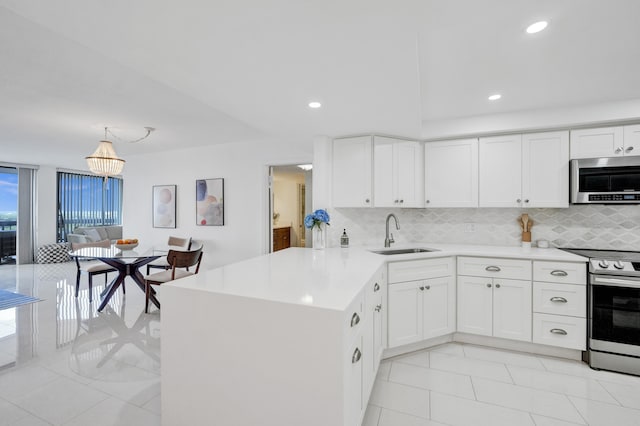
<point>403,251</point>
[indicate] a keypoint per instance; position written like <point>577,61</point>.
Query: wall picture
<point>164,206</point>
<point>210,202</point>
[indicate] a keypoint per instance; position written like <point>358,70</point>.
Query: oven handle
<point>615,282</point>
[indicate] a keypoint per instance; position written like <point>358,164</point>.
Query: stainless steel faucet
<point>389,239</point>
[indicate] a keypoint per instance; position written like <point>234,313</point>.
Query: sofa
<point>89,234</point>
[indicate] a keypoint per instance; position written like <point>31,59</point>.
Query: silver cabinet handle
<point>629,149</point>
<point>558,273</point>
<point>356,356</point>
<point>518,200</point>
<point>558,331</point>
<point>355,319</point>
<point>489,285</point>
<point>492,269</point>
<point>558,299</point>
<point>395,201</point>
<point>401,201</point>
<point>378,308</point>
<point>428,201</point>
<point>428,287</point>
<point>366,201</point>
<point>618,150</point>
<point>497,285</point>
<point>526,201</point>
<point>376,287</point>
<point>421,288</point>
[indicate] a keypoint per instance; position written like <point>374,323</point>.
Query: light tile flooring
<point>62,363</point>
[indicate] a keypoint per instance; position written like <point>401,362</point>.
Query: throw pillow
<point>93,235</point>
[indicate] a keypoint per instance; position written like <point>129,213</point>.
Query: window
<point>87,200</point>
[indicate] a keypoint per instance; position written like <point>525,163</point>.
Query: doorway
<point>290,202</point>
<point>8,214</point>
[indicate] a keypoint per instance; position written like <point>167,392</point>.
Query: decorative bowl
<point>126,246</point>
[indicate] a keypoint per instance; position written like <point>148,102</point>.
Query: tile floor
<point>62,363</point>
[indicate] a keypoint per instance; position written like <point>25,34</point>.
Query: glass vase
<point>319,234</point>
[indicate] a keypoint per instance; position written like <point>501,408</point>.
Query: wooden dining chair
<point>178,260</point>
<point>161,263</point>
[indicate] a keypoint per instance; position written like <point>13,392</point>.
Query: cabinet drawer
<point>558,330</point>
<point>354,319</point>
<point>413,270</point>
<point>494,267</point>
<point>560,272</point>
<point>560,299</point>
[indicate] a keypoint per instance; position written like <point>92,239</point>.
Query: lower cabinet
<point>421,309</point>
<point>497,307</point>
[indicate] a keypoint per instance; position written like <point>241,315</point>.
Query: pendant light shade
<point>104,161</point>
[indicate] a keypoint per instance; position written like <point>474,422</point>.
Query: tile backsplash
<point>584,226</point>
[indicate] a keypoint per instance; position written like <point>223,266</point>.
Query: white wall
<point>244,167</point>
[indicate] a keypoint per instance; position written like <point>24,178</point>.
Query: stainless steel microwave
<point>610,180</point>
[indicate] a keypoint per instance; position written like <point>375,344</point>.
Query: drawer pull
<point>489,285</point>
<point>376,287</point>
<point>421,288</point>
<point>558,331</point>
<point>355,319</point>
<point>428,287</point>
<point>497,285</point>
<point>378,308</point>
<point>559,273</point>
<point>492,269</point>
<point>356,356</point>
<point>558,299</point>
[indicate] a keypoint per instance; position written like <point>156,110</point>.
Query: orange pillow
<point>103,243</point>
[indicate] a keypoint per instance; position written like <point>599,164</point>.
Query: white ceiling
<point>205,72</point>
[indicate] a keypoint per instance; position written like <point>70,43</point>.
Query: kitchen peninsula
<point>295,337</point>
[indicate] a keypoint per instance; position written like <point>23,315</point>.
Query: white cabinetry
<point>351,177</point>
<point>451,173</point>
<point>494,297</point>
<point>528,170</point>
<point>605,142</point>
<point>559,304</point>
<point>398,173</point>
<point>373,337</point>
<point>421,300</point>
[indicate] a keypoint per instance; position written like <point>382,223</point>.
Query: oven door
<point>614,309</point>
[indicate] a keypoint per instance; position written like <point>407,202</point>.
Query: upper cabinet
<point>397,173</point>
<point>528,170</point>
<point>451,173</point>
<point>352,178</point>
<point>605,142</point>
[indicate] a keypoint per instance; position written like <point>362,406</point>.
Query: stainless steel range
<point>614,309</point>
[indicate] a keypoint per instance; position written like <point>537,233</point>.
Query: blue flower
<point>316,218</point>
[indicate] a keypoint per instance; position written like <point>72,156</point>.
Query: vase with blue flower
<point>318,222</point>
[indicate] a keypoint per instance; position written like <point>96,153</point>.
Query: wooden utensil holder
<point>526,237</point>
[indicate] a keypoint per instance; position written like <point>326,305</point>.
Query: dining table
<point>127,262</point>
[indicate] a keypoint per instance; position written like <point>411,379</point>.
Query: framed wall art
<point>164,206</point>
<point>210,202</point>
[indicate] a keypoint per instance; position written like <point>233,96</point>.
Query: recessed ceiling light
<point>536,27</point>
<point>315,104</point>
<point>495,97</point>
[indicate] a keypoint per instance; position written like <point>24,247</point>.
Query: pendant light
<point>104,161</point>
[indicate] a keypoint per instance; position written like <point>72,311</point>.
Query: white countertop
<point>332,278</point>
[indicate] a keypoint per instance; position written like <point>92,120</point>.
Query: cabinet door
<point>352,172</point>
<point>545,169</point>
<point>475,305</point>
<point>500,171</point>
<point>353,384</point>
<point>632,140</point>
<point>593,143</point>
<point>383,172</point>
<point>512,309</point>
<point>405,313</point>
<point>408,170</point>
<point>439,307</point>
<point>451,173</point>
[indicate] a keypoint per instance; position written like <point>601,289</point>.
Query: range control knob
<point>618,265</point>
<point>603,264</point>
